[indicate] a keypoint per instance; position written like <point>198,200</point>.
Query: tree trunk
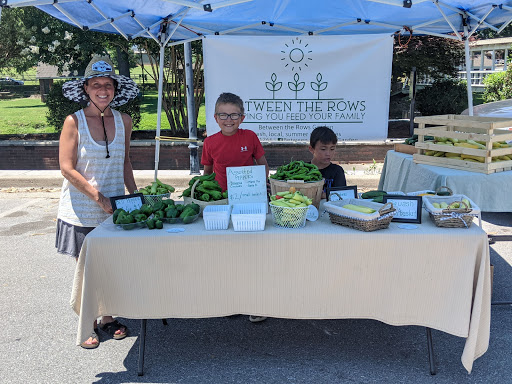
<point>123,62</point>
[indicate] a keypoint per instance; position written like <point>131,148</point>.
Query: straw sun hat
<point>101,66</point>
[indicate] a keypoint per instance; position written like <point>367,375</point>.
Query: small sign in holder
<point>127,202</point>
<point>349,192</point>
<point>408,208</point>
<point>247,184</point>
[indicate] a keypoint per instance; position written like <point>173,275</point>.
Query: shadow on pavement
<point>233,350</point>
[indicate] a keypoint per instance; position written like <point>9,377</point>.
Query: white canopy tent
<point>171,22</point>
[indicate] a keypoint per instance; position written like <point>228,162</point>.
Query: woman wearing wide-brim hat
<point>94,157</point>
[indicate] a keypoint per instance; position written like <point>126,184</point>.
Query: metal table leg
<point>142,344</point>
<point>431,352</point>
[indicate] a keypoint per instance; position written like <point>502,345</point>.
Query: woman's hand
<point>104,203</point>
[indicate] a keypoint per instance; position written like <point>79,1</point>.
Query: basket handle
<point>194,188</point>
<point>383,208</point>
<point>444,187</point>
<point>465,208</point>
<point>337,194</point>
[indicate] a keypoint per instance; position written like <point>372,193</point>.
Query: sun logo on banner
<point>296,55</point>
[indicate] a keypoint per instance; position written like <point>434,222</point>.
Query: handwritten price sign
<point>408,208</point>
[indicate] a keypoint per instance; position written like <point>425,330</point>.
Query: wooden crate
<point>405,148</point>
<point>485,129</point>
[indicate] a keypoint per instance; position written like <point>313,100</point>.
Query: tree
<point>12,43</point>
<point>33,36</point>
<point>435,57</point>
<point>174,95</point>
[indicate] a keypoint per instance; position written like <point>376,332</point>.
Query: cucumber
<point>373,194</point>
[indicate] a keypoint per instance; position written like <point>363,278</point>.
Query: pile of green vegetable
<point>207,189</point>
<point>155,215</point>
<point>297,170</point>
<point>376,195</point>
<point>156,188</point>
<point>414,138</point>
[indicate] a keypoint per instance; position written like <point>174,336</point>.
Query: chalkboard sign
<point>127,202</point>
<point>247,184</point>
<point>408,208</point>
<point>342,193</point>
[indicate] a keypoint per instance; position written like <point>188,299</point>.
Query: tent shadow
<point>501,219</point>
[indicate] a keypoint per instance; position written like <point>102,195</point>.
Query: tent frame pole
<point>191,109</point>
<point>159,105</point>
<point>468,68</point>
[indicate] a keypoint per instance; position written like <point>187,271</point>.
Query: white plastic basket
<point>249,217</point>
<point>216,217</point>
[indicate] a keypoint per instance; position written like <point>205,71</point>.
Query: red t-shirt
<point>238,150</point>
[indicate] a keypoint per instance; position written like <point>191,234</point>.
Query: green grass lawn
<point>148,114</point>
<point>28,115</point>
<point>20,116</point>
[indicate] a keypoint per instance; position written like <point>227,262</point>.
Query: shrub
<point>442,97</point>
<point>59,107</point>
<point>497,86</point>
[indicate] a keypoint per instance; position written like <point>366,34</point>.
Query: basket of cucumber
<point>455,211</point>
<point>360,214</point>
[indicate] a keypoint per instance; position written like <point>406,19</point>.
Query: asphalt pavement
<point>38,331</point>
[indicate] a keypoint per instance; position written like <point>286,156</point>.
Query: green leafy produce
<point>207,188</point>
<point>156,188</point>
<point>297,170</point>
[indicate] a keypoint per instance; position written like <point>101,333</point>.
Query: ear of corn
<point>359,208</point>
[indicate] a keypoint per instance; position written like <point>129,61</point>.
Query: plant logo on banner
<point>305,82</point>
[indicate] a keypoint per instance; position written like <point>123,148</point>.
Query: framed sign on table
<point>127,202</point>
<point>408,208</point>
<point>349,192</point>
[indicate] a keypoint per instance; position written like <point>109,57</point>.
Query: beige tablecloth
<point>429,276</point>
<point>489,192</point>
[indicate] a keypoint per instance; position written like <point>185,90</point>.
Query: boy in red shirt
<point>231,147</point>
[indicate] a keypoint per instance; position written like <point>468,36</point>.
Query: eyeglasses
<point>232,116</point>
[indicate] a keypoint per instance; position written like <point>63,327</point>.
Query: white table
<point>490,192</point>
<point>429,276</point>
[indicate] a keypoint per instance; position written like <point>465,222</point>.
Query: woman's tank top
<point>106,175</point>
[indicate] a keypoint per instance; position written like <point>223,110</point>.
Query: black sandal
<point>93,335</point>
<point>112,327</point>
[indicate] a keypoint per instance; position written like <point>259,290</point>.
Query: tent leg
<point>159,105</point>
<point>468,69</point>
<point>191,110</point>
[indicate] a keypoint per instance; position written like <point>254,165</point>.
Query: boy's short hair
<point>230,98</point>
<point>323,134</point>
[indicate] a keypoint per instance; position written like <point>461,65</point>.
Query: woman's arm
<point>129,180</point>
<point>68,147</point>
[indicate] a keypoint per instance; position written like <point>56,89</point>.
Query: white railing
<point>477,77</point>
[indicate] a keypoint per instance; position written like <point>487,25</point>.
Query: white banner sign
<point>290,85</point>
